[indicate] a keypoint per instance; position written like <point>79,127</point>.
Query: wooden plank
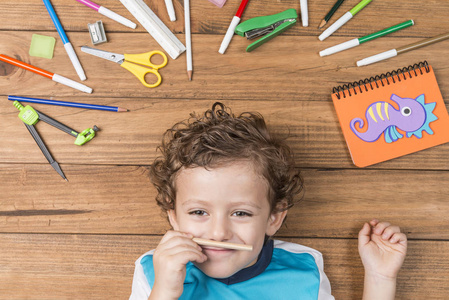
<point>120,200</point>
<point>132,137</point>
<point>207,18</point>
<point>288,68</point>
<point>101,266</point>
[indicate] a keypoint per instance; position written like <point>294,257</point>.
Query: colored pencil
<point>108,13</point>
<point>188,39</point>
<point>52,76</point>
<point>234,22</point>
<point>403,49</point>
<point>66,103</point>
<point>355,42</point>
<point>330,13</point>
<point>304,13</point>
<point>345,18</point>
<point>65,40</point>
<point>226,245</point>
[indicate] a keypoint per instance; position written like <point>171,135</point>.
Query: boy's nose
<point>220,229</point>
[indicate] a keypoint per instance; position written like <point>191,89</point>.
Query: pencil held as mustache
<point>234,246</point>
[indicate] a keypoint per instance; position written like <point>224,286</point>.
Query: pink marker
<point>230,33</point>
<point>108,13</point>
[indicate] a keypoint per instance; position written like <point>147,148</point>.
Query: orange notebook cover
<point>392,114</point>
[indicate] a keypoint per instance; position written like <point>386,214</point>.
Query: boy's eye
<point>197,212</point>
<point>242,214</point>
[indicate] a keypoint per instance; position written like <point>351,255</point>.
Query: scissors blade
<point>118,58</point>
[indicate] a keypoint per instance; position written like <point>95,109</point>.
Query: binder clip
<point>30,117</point>
<point>266,26</point>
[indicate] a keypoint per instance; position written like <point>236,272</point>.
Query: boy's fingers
<point>380,227</point>
<point>365,234</point>
<point>171,233</point>
<point>178,241</point>
<point>400,238</point>
<point>389,231</point>
<point>374,222</point>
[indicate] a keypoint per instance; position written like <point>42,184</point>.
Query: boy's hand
<point>382,248</point>
<point>172,254</point>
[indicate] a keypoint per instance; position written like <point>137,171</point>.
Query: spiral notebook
<point>392,114</point>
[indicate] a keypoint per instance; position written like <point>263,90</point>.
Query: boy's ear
<point>172,219</point>
<point>275,222</point>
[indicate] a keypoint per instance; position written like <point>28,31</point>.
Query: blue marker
<point>68,47</point>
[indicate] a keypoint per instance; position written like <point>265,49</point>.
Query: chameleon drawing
<point>413,117</point>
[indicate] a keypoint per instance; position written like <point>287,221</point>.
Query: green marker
<point>345,18</point>
<point>355,42</point>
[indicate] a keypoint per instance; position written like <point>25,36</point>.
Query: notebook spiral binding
<point>388,77</point>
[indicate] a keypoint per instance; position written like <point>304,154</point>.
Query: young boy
<point>227,179</point>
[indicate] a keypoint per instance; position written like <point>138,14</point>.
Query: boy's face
<point>226,204</point>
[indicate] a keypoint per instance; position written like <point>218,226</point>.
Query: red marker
<point>52,76</point>
<point>235,21</point>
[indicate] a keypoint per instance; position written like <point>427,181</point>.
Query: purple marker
<point>108,13</point>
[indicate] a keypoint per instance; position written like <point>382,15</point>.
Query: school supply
<point>97,33</point>
<point>394,52</point>
<point>218,3</point>
<point>230,32</point>
<point>225,245</point>
<point>52,76</point>
<point>155,27</point>
<point>355,42</point>
<point>108,13</point>
<point>345,18</point>
<point>138,64</point>
<point>42,46</point>
<point>188,39</point>
<point>170,10</point>
<point>392,114</point>
<point>266,26</point>
<point>30,117</point>
<point>330,13</point>
<point>65,40</point>
<point>304,13</point>
<point>66,103</point>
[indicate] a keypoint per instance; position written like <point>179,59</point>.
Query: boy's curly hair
<point>218,138</point>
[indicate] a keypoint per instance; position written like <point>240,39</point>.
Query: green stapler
<point>266,26</point>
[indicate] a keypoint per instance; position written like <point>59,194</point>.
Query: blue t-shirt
<point>282,271</point>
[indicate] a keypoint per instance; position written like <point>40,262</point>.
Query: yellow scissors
<point>138,64</point>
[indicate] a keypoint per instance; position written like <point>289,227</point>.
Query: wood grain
<point>120,200</point>
<point>101,266</point>
<point>79,239</point>
<point>131,138</point>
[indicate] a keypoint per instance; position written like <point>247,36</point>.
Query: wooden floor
<point>79,239</point>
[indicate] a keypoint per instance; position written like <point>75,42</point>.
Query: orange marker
<point>52,76</point>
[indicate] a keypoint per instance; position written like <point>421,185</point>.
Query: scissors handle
<point>140,65</point>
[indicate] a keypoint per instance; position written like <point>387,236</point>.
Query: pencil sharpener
<point>97,33</point>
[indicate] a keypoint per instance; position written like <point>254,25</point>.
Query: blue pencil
<point>68,47</point>
<point>65,103</point>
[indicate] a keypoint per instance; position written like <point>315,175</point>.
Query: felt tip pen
<point>304,13</point>
<point>67,45</point>
<point>234,22</point>
<point>108,13</point>
<point>345,18</point>
<point>355,42</point>
<point>66,103</point>
<point>52,76</point>
<point>403,49</point>
<point>170,10</point>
